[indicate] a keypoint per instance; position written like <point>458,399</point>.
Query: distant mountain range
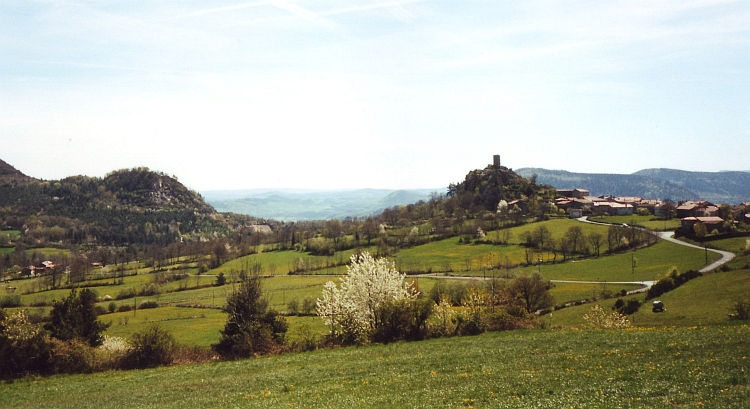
<point>717,187</point>
<point>301,204</point>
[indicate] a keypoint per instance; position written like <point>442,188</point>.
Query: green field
<point>649,222</point>
<point>703,301</point>
<point>635,368</point>
<point>448,254</point>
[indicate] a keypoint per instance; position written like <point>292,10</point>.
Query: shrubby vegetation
<point>375,303</point>
<point>673,280</point>
<point>599,319</point>
<point>252,328</point>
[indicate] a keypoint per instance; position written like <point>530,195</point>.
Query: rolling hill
<point>297,204</point>
<point>716,187</point>
<point>126,206</point>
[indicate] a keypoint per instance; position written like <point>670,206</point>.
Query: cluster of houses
<point>44,268</point>
<point>579,202</point>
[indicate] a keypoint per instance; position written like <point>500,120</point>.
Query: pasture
<point>696,366</point>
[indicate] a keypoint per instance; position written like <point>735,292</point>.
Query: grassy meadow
<point>691,355</point>
<point>649,222</point>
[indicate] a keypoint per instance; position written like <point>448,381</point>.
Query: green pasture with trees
<point>695,366</point>
<point>123,273</point>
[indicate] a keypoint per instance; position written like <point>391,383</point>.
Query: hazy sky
<point>380,94</point>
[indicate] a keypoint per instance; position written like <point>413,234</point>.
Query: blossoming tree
<point>350,310</point>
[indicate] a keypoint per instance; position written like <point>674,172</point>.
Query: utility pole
<point>705,247</point>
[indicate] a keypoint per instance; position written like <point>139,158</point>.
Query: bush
<point>293,306</point>
<point>125,293</point>
<point>148,304</point>
<point>23,347</point>
<point>112,307</point>
<point>740,310</point>
<point>629,308</point>
<point>149,289</point>
<point>124,308</point>
<point>308,306</point>
<point>74,356</point>
<point>599,319</point>
<point>150,348</point>
<point>10,301</point>
<point>402,320</point>
<point>672,281</point>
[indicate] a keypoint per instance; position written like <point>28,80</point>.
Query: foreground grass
<point>636,368</point>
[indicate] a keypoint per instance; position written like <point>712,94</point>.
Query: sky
<point>371,94</point>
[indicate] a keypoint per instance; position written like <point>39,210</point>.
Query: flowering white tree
<point>350,309</point>
<point>598,318</point>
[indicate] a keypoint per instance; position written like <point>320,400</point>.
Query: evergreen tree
<point>76,317</point>
<point>251,328</point>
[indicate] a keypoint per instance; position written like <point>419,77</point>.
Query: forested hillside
<point>484,188</point>
<point>717,187</point>
<point>132,206</point>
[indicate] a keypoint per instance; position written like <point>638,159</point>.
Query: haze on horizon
<point>368,94</point>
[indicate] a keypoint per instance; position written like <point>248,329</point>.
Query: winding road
<point>725,258</point>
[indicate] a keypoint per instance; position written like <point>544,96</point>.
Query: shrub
<point>10,301</point>
<point>149,289</point>
<point>23,347</point>
<point>629,308</point>
<point>402,320</point>
<point>740,310</point>
<point>74,356</point>
<point>112,307</point>
<point>150,348</point>
<point>442,321</point>
<point>308,305</point>
<point>597,318</point>
<point>148,304</point>
<point>125,293</point>
<point>293,306</point>
<point>124,308</point>
<point>111,352</point>
<point>672,281</point>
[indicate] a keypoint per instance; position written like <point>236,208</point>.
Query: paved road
<point>725,255</point>
<point>646,284</point>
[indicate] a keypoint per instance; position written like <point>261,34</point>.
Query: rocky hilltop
<point>124,207</point>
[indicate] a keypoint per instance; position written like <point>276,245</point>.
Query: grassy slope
<point>649,222</point>
<point>702,301</point>
<point>637,368</point>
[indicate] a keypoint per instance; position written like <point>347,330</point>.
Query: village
<point>716,219</point>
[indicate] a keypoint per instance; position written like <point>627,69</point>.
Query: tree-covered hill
<point>482,189</point>
<point>716,187</point>
<point>128,206</point>
<point>612,184</point>
<point>9,174</point>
